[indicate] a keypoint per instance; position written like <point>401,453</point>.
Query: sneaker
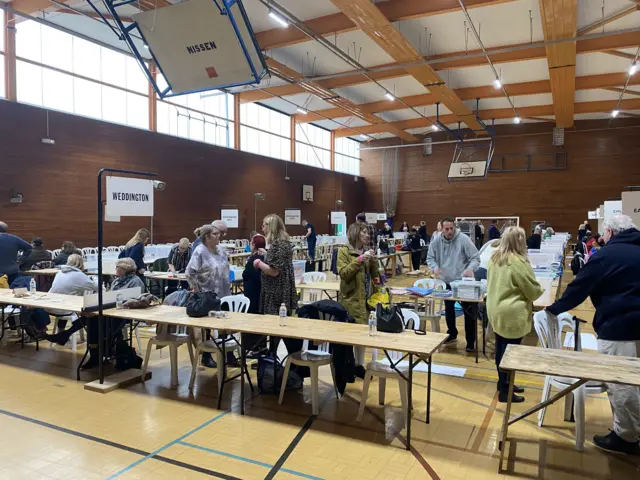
<point>613,443</point>
<point>451,340</point>
<point>502,398</point>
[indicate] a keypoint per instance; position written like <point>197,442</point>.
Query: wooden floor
<point>50,427</point>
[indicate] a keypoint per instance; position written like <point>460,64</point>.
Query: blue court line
<point>168,445</point>
<point>248,460</point>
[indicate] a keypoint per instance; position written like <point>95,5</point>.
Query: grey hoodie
<point>453,256</point>
<point>72,281</point>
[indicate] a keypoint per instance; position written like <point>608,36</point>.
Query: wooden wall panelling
<point>59,181</point>
<point>600,163</point>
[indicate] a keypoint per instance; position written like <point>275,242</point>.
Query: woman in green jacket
<point>358,268</point>
<point>511,290</point>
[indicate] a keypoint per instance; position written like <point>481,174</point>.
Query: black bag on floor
<point>126,357</point>
<point>199,304</point>
<point>390,319</point>
<point>266,379</point>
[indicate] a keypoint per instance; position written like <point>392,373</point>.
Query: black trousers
<point>501,346</point>
<point>415,259</point>
<point>470,310</point>
<point>312,250</point>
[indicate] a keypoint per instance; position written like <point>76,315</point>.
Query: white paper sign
<point>230,217</point>
<point>292,217</point>
<point>129,197</point>
<point>371,217</point>
<point>631,205</point>
<point>612,208</point>
<point>338,217</point>
<point>593,214</point>
<point>382,216</point>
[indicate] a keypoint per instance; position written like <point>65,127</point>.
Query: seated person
<point>535,240</point>
<point>68,249</point>
<point>38,254</point>
<point>178,260</point>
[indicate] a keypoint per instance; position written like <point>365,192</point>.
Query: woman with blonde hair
<point>134,249</point>
<point>511,290</point>
<point>278,284</point>
<point>358,268</point>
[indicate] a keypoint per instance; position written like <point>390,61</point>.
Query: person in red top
<point>594,238</point>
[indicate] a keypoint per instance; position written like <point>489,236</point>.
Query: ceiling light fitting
<point>516,120</point>
<point>389,97</point>
<point>434,128</point>
<point>283,23</point>
<point>633,68</point>
<point>301,110</point>
<point>497,84</point>
<point>615,113</point>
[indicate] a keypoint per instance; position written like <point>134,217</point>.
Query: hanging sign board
<point>382,217</point>
<point>292,217</point>
<point>129,197</point>
<point>593,214</point>
<point>631,206</point>
<point>338,217</point>
<point>371,217</point>
<point>230,217</point>
<point>612,208</point>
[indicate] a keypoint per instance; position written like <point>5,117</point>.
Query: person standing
<point>494,233</point>
<point>478,235</point>
<point>416,250</point>
<point>511,290</point>
<point>451,256</point>
<point>404,227</point>
<point>362,219</point>
<point>134,249</point>
<point>611,279</point>
<point>437,232</point>
<point>357,268</point>
<point>13,252</point>
<point>310,235</point>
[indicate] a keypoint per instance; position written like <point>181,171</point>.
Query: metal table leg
<point>428,419</point>
<point>505,420</point>
<point>243,367</point>
<point>223,373</point>
<point>409,401</point>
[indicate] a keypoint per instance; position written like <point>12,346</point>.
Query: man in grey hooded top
<point>451,256</point>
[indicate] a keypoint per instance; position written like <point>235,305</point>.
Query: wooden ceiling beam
<point>607,81</point>
<point>394,10</point>
<point>502,113</point>
<point>604,44</point>
<point>372,21</point>
<point>560,20</point>
<point>620,90</point>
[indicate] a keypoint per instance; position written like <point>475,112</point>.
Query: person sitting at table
<point>209,270</point>
<point>178,260</point>
<point>511,290</point>
<point>358,269</point>
<point>68,249</point>
<point>535,240</point>
<point>134,249</point>
<point>611,279</point>
<point>591,240</point>
<point>13,252</point>
<point>404,227</point>
<point>38,254</point>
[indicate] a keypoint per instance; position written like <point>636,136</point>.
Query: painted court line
<point>248,460</point>
<point>168,445</point>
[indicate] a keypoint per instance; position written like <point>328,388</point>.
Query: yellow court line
<point>495,379</point>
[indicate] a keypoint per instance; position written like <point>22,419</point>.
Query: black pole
<point>100,283</point>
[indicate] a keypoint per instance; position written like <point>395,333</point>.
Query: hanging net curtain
<point>390,170</point>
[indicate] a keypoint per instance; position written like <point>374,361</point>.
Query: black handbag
<point>199,304</point>
<point>389,319</point>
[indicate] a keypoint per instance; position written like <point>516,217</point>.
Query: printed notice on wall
<point>292,217</point>
<point>631,205</point>
<point>230,217</point>
<point>129,197</point>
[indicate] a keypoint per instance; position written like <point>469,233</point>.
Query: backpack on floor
<point>126,356</point>
<point>266,376</point>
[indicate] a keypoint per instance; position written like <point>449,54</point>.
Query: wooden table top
<point>165,276</point>
<point>302,328</point>
<point>49,301</point>
<point>568,363</point>
<point>329,286</point>
<point>240,255</point>
<point>45,271</point>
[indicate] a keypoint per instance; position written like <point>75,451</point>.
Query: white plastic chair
<point>70,318</point>
<point>314,359</point>
<point>55,253</point>
<point>433,306</point>
<point>173,341</point>
<point>549,331</point>
<point>314,277</point>
<point>411,318</point>
<point>236,303</point>
<point>383,371</point>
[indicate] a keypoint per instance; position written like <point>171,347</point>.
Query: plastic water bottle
<point>119,300</point>
<point>373,324</point>
<point>32,286</point>
<point>283,315</point>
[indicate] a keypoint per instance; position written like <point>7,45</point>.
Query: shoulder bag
<point>199,304</point>
<point>389,319</point>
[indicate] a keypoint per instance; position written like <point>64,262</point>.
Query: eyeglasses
<point>218,233</point>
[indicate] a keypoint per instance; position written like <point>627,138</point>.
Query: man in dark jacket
<point>494,233</point>
<point>38,254</point>
<point>10,247</point>
<point>611,280</point>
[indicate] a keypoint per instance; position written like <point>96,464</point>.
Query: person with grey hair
<point>535,240</point>
<point>611,279</point>
<point>13,252</point>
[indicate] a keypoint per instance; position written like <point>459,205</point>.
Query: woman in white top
<point>438,231</point>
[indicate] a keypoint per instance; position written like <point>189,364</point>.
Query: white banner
<point>338,217</point>
<point>371,217</point>
<point>611,208</point>
<point>382,217</point>
<point>292,217</point>
<point>230,217</point>
<point>129,197</point>
<point>631,206</point>
<point>196,47</point>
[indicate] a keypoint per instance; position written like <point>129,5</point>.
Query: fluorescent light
<point>434,128</point>
<point>615,113</point>
<point>278,18</point>
<point>516,120</point>
<point>497,83</point>
<point>633,68</point>
<point>389,97</point>
<point>301,110</point>
<point>146,46</point>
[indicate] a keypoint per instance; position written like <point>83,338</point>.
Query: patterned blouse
<point>209,272</point>
<point>281,289</point>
